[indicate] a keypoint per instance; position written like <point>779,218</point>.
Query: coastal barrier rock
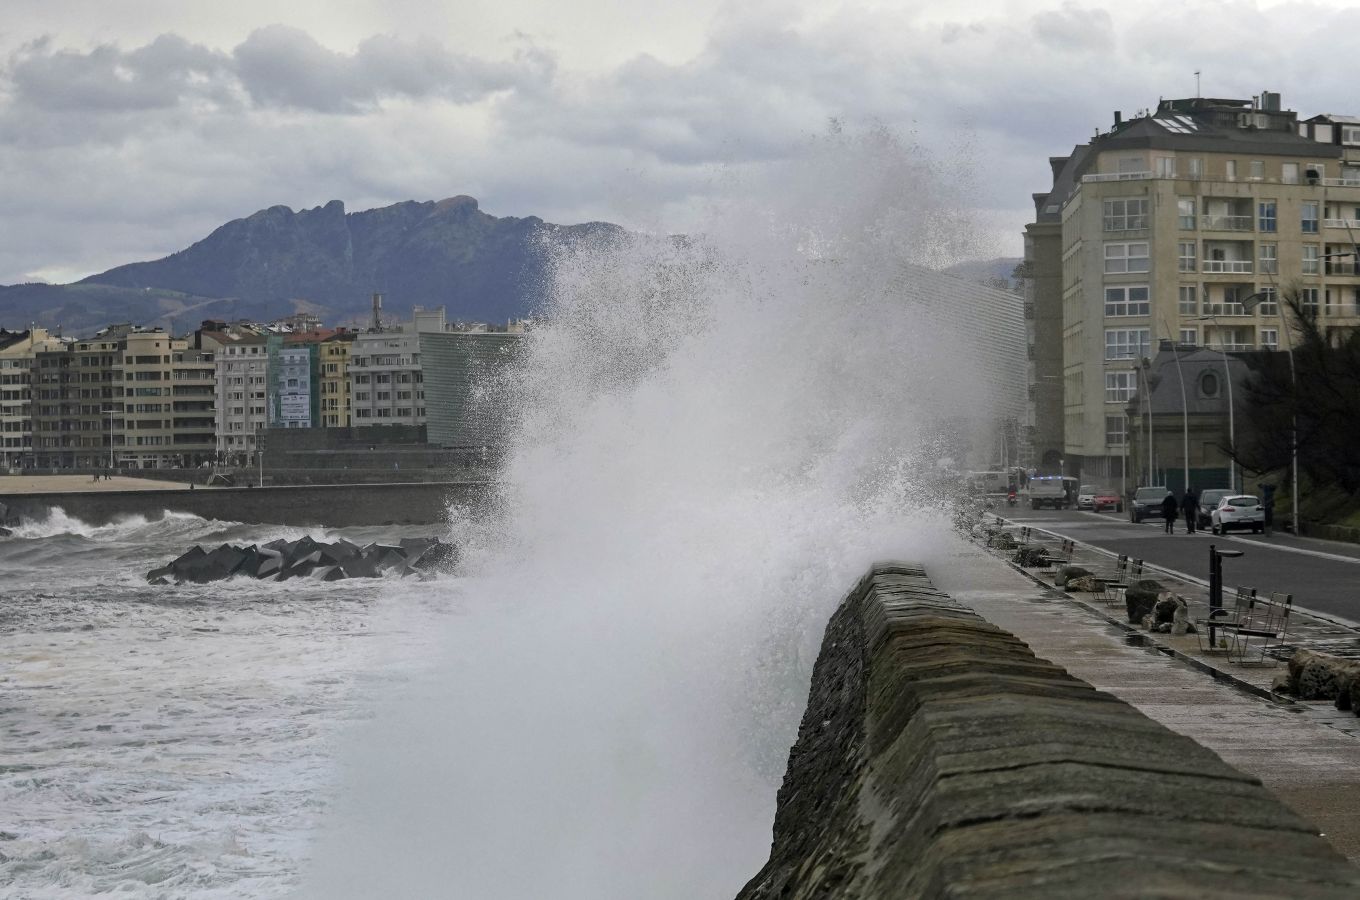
<point>939,757</point>
<point>1140,597</point>
<point>281,560</point>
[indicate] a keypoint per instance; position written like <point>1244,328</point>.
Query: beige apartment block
<point>18,356</point>
<point>166,403</point>
<point>1168,221</point>
<point>336,410</point>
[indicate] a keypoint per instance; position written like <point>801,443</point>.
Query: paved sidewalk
<point>1307,754</point>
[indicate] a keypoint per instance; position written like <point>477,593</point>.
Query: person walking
<point>1169,506</point>
<point>1190,506</point>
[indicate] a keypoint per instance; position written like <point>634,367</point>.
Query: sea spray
<point>713,437</point>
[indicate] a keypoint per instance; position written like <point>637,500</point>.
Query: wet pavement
<point>1308,754</point>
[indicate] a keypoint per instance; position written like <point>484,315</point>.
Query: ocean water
<point>712,438</point>
<point>178,741</point>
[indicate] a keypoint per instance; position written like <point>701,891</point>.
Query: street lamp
<point>1249,304</point>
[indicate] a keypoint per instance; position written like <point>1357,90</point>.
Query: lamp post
<point>110,412</point>
<point>1249,304</point>
<point>1185,411</point>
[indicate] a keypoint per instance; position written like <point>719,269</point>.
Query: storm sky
<point>130,129</point>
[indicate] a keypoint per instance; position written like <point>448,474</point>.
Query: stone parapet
<point>939,757</point>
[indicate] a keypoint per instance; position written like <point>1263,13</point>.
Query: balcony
<point>1348,224</point>
<point>1116,176</point>
<point>1341,182</point>
<point>1225,223</point>
<point>1226,266</point>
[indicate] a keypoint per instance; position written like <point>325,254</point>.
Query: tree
<point>1321,399</point>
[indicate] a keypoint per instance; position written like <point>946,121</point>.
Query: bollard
<point>1216,585</point>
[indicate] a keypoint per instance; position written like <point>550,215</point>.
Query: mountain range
<point>323,260</point>
<point>330,262</point>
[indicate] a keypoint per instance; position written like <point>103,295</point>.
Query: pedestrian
<point>1169,506</point>
<point>1190,506</point>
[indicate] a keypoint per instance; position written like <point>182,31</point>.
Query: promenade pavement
<point>43,484</point>
<point>1308,754</point>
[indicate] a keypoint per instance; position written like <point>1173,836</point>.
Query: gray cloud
<point>111,153</point>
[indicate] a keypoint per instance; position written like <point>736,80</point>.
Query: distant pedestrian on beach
<point>1169,506</point>
<point>1190,506</point>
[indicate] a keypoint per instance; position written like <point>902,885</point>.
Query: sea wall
<point>939,757</point>
<point>332,505</point>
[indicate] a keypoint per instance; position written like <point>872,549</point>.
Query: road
<point>1323,576</point>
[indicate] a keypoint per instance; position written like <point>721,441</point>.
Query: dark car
<point>1147,503</point>
<point>1208,499</point>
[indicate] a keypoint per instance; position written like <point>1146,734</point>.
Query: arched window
<point>1208,384</point>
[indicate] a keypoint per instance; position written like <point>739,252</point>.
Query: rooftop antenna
<point>1197,93</point>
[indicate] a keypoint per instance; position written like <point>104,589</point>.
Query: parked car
<point>1241,511</point>
<point>1208,499</point>
<point>1086,496</point>
<point>1147,503</point>
<point>1107,498</point>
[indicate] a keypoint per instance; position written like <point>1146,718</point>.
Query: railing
<point>1226,223</point>
<point>1341,182</point>
<point>1345,268</point>
<point>1117,176</point>
<point>1224,309</point>
<point>1234,266</point>
<point>1342,223</point>
<point>1237,348</point>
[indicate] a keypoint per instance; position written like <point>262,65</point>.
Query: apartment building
<point>386,378</point>
<point>242,372</point>
<point>164,393</point>
<point>18,356</point>
<point>334,386</point>
<point>75,417</point>
<point>1156,231</point>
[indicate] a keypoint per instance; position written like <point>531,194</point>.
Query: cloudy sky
<point>130,128</point>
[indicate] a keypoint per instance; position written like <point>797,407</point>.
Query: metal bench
<point>1265,629</point>
<point>1224,620</point>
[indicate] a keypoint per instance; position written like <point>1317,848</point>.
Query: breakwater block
<point>308,558</point>
<point>939,757</point>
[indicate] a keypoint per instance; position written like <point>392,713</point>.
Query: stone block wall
<point>939,757</point>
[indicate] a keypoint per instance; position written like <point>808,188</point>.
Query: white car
<point>1086,496</point>
<point>1238,511</point>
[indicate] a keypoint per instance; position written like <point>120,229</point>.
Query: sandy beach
<point>43,484</point>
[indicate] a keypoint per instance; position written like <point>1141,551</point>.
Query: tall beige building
<point>1155,232</point>
<point>18,356</point>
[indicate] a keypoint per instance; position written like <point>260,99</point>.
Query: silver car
<point>1241,511</point>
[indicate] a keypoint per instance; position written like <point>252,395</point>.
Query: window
<point>1309,265</point>
<point>1265,215</point>
<point>1256,169</point>
<point>1309,216</point>
<point>1127,214</point>
<point>1123,258</point>
<point>1270,339</point>
<point>1120,386</point>
<point>1350,134</point>
<point>1115,433</point>
<point>1185,213</point>
<point>1165,166</point>
<point>1269,258</point>
<point>1230,170</point>
<point>1308,298</point>
<point>1208,385</point>
<point>1126,343</point>
<point>1196,168</point>
<point>1189,337</point>
<point>1188,304</point>
<point>1126,301</point>
<point>1289,173</point>
<point>1186,256</point>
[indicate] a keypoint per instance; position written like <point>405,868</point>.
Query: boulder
<point>1067,573</point>
<point>1030,557</point>
<point>1001,540</point>
<point>1083,583</point>
<point>1324,677</point>
<point>1164,610</point>
<point>439,557</point>
<point>1180,619</point>
<point>1140,597</point>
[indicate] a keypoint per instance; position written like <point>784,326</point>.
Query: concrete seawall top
<point>939,757</point>
<point>340,505</point>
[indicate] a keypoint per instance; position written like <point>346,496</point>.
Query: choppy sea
<point>172,741</point>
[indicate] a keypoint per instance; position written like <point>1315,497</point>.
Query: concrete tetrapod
<point>281,560</point>
<point>938,757</point>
